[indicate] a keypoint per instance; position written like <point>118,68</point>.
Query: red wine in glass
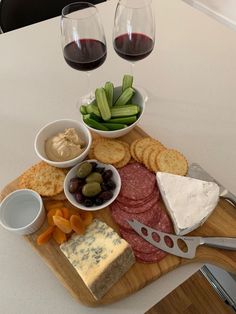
<point>134,46</point>
<point>83,39</point>
<point>85,54</point>
<point>134,30</point>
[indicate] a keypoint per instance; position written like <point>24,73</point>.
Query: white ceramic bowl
<point>72,174</point>
<point>22,212</point>
<point>54,128</point>
<point>140,98</point>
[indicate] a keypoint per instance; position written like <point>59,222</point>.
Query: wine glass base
<point>87,99</point>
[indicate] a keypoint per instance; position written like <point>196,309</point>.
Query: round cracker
<point>91,151</point>
<point>44,179</point>
<point>126,158</point>
<point>109,151</point>
<point>146,154</point>
<point>152,161</point>
<point>157,148</point>
<point>172,161</point>
<point>132,147</point>
<point>59,197</point>
<point>141,145</point>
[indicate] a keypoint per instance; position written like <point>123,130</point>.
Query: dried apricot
<point>53,204</point>
<point>59,236</point>
<point>45,236</point>
<point>77,224</point>
<point>73,211</point>
<point>86,218</point>
<point>53,212</point>
<point>65,212</point>
<point>62,224</point>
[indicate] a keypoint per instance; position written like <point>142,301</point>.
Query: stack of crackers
<point>45,179</point>
<point>148,151</point>
<point>156,157</point>
<point>110,151</point>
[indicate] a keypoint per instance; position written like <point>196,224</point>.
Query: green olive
<point>91,189</point>
<point>94,177</point>
<point>84,170</point>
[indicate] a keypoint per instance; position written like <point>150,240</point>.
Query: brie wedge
<point>189,201</point>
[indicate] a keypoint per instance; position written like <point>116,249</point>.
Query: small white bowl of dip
<point>53,129</point>
<point>22,212</point>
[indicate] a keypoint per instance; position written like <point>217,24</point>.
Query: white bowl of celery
<point>115,110</point>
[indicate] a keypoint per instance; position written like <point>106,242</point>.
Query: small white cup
<point>22,212</point>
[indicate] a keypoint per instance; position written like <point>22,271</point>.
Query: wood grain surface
<point>194,296</point>
<point>221,223</point>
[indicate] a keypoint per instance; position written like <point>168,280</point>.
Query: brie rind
<point>189,201</point>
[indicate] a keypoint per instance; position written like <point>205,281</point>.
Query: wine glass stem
<point>88,81</point>
<point>132,68</point>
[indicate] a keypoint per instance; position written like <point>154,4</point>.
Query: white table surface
<point>190,78</point>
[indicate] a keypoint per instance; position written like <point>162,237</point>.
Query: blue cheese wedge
<point>189,201</point>
<point>99,256</point>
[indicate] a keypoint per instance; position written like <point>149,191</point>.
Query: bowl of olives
<point>92,185</point>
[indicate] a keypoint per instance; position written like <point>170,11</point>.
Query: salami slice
<point>149,257</point>
<point>121,216</point>
<point>138,243</point>
<point>127,201</point>
<point>137,182</point>
<point>138,208</point>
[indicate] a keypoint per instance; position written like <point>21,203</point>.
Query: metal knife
<point>197,172</point>
<point>187,248</point>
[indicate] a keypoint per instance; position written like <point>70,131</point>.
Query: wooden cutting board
<point>221,223</point>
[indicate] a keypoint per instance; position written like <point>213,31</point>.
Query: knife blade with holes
<point>180,245</point>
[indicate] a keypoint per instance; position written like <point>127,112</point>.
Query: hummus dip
<point>64,146</point>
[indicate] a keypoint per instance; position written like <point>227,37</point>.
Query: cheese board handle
<point>220,242</point>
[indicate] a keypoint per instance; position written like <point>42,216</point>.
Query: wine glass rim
<point>86,6</point>
<point>145,4</point>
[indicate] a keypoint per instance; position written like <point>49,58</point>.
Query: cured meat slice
<point>120,216</point>
<point>137,182</point>
<point>138,208</point>
<point>149,257</point>
<point>127,201</point>
<point>138,243</point>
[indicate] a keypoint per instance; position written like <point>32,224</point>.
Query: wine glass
<point>83,39</point>
<point>134,30</point>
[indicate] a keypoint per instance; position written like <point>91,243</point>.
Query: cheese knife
<point>197,172</point>
<point>180,245</point>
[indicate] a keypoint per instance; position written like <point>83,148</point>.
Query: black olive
<point>98,201</point>
<point>88,202</point>
<point>110,185</point>
<point>107,174</point>
<point>106,195</point>
<point>94,165</point>
<point>100,169</point>
<point>79,197</point>
<point>104,186</point>
<point>73,185</point>
<point>80,186</point>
